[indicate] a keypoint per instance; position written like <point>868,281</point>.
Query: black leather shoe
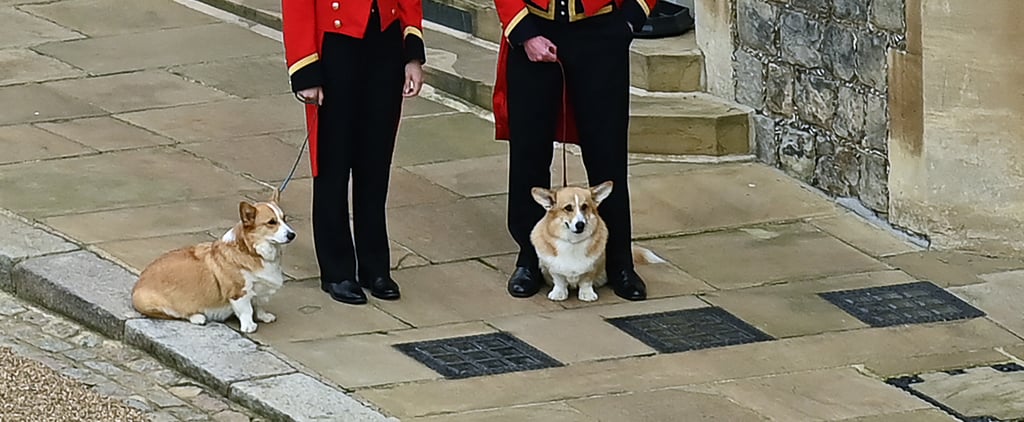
<point>382,288</point>
<point>525,282</point>
<point>346,291</point>
<point>628,285</point>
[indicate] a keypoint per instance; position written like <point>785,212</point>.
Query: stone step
<point>671,64</point>
<point>463,65</point>
<point>661,123</point>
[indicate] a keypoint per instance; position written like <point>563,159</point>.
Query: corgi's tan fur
<point>570,241</point>
<point>234,275</point>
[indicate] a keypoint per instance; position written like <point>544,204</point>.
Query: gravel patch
<point>30,391</point>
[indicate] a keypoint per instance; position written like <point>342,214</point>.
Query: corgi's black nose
<point>579,226</point>
<point>291,236</point>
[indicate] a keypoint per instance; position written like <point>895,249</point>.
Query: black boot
<point>346,291</point>
<point>525,282</point>
<point>628,284</point>
<point>381,287</point>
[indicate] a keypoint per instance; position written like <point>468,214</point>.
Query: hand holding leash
<point>413,79</point>
<point>540,49</point>
<point>313,95</point>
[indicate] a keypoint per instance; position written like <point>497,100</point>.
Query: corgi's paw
<point>197,319</point>
<point>558,294</point>
<point>248,327</point>
<point>264,316</point>
<point>587,294</point>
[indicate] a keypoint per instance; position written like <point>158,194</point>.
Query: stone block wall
<point>815,72</point>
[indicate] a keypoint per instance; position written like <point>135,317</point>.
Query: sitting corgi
<point>236,274</point>
<point>570,240</point>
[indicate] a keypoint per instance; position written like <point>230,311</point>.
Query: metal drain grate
<point>911,303</point>
<point>690,329</point>
<point>486,354</point>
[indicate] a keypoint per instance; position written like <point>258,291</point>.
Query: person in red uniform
<point>352,62</point>
<point>589,40</point>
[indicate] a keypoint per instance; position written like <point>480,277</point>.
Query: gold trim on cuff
<point>515,21</point>
<point>302,63</point>
<point>412,30</point>
<point>643,5</point>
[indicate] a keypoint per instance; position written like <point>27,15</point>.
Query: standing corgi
<point>570,240</point>
<point>236,274</point>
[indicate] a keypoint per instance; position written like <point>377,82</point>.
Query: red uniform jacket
<point>304,23</point>
<point>518,19</point>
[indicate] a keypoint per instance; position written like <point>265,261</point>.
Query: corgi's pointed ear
<point>247,212</point>
<point>275,196</point>
<point>543,197</point>
<point>601,191</point>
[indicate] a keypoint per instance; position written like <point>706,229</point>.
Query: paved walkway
<point>136,127</point>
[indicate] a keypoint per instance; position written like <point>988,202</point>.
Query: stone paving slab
<point>901,366</point>
<point>98,18</point>
<point>471,228</point>
<point>104,133</point>
<point>826,395</point>
<point>148,88</point>
<point>28,143</point>
<point>950,268</point>
<point>305,313</point>
<point>730,195</point>
<point>38,103</point>
<point>456,136</point>
<point>664,405</point>
<point>806,353</point>
<point>930,415</point>
<point>219,120</point>
<point>81,286</point>
<point>193,216</point>
<point>786,252</point>
<point>1000,296</point>
<point>121,53</point>
<point>864,236</point>
<point>976,392</point>
<point>437,295</point>
<point>300,261</point>
<point>18,66</point>
<point>781,310</point>
<point>246,77</point>
<point>25,30</point>
<point>114,180</point>
<point>546,412</point>
<point>267,158</point>
<point>486,176</point>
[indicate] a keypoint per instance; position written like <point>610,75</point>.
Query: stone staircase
<point>670,112</point>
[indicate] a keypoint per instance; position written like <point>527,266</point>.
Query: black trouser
<point>595,55</point>
<point>358,122</point>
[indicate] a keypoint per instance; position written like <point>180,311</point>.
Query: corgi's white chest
<point>571,259</point>
<point>266,281</point>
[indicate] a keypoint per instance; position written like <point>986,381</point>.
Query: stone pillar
<point>714,32</point>
<point>957,144</point>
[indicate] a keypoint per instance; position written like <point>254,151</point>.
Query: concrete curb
<point>51,271</point>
